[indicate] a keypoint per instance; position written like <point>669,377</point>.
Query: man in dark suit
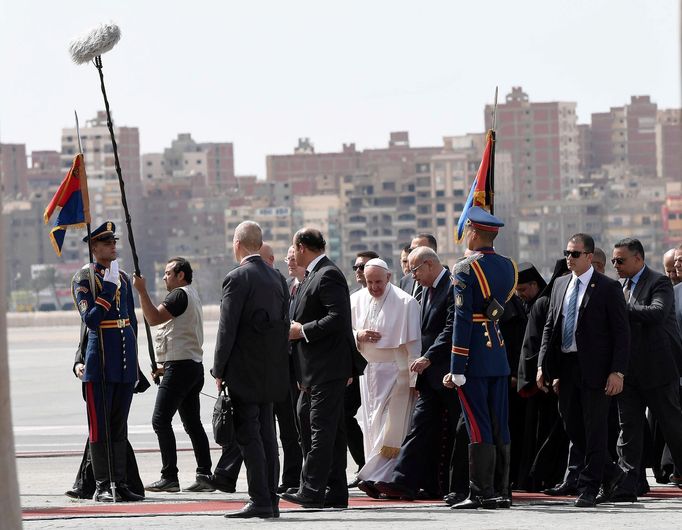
<point>252,357</point>
<point>324,352</point>
<point>652,377</point>
<point>408,282</point>
<point>584,354</point>
<point>417,466</point>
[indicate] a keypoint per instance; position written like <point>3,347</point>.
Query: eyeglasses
<point>360,267</point>
<point>412,271</point>
<point>290,260</point>
<point>575,254</point>
<point>619,261</point>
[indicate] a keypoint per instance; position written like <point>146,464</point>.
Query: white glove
<point>458,379</point>
<point>111,274</point>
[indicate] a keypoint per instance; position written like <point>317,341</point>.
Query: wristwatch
<point>619,374</point>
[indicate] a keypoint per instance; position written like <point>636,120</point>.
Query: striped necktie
<point>627,292</point>
<point>569,320</point>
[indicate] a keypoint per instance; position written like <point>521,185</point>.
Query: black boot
<point>122,488</point>
<point>100,469</point>
<point>503,497</point>
<point>481,476</point>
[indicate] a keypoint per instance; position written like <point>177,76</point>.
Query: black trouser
<point>585,413</point>
<point>285,412</point>
<point>664,403</point>
<point>230,464</point>
<point>351,404</point>
<point>323,438</point>
<point>424,446</point>
<point>179,392</point>
<point>254,425</point>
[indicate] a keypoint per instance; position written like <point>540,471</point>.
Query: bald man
<point>267,254</point>
<point>669,266</point>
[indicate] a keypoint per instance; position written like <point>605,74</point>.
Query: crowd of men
<point>458,383</point>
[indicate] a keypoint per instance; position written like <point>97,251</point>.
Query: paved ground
<point>49,421</point>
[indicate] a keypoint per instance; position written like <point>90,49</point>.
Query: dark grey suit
<point>252,357</point>
<point>653,377</point>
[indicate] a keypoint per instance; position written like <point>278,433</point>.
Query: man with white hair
<point>387,328</point>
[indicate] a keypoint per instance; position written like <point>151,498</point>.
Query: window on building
<point>440,207</point>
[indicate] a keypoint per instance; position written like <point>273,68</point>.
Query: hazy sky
<point>262,74</point>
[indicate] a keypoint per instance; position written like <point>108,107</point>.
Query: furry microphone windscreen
<point>93,43</point>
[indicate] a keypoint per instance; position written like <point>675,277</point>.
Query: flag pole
<point>491,169</point>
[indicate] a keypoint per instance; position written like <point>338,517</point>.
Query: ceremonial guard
<point>479,367</point>
<point>105,302</point>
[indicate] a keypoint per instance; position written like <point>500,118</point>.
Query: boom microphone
<point>97,41</point>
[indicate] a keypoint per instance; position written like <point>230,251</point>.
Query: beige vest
<point>181,338</point>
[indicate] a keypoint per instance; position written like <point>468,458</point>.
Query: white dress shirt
<point>585,278</point>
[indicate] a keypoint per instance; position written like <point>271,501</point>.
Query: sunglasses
<point>575,254</point>
<point>360,267</point>
<point>619,261</point>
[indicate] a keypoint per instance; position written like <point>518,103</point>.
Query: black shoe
<point>454,498</point>
<point>293,490</point>
<point>302,499</point>
<point>423,495</point>
<point>77,493</point>
<point>250,510</point>
<point>335,503</point>
<point>561,490</point>
<point>503,503</point>
<point>199,487</point>
<point>284,488</point>
<point>473,503</point>
<point>393,490</point>
<point>165,484</point>
<point>217,483</point>
<point>127,495</point>
<point>616,496</point>
<point>103,493</point>
<point>355,483</point>
<point>586,500</point>
<point>368,487</point>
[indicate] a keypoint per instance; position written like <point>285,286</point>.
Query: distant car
<point>47,306</point>
<point>68,306</point>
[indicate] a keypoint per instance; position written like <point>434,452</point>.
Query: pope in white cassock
<point>387,328</point>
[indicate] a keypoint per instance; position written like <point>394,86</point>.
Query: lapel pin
<point>591,285</point>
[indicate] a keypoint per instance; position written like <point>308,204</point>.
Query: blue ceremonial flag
<point>72,198</point>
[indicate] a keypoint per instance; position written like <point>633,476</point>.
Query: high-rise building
<point>45,171</point>
<point>669,144</point>
<point>103,185</point>
<point>626,134</point>
<point>13,171</point>
<point>207,164</point>
<point>542,139</point>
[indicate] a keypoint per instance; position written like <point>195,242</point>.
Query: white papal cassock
<point>386,386</point>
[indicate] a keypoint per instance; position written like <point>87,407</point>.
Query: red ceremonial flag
<point>481,192</point>
<point>72,198</point>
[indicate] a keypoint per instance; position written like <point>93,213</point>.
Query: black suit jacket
<point>602,331</point>
<point>407,284</point>
<point>654,333</point>
<point>322,305</point>
<point>437,323</point>
<point>251,352</point>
